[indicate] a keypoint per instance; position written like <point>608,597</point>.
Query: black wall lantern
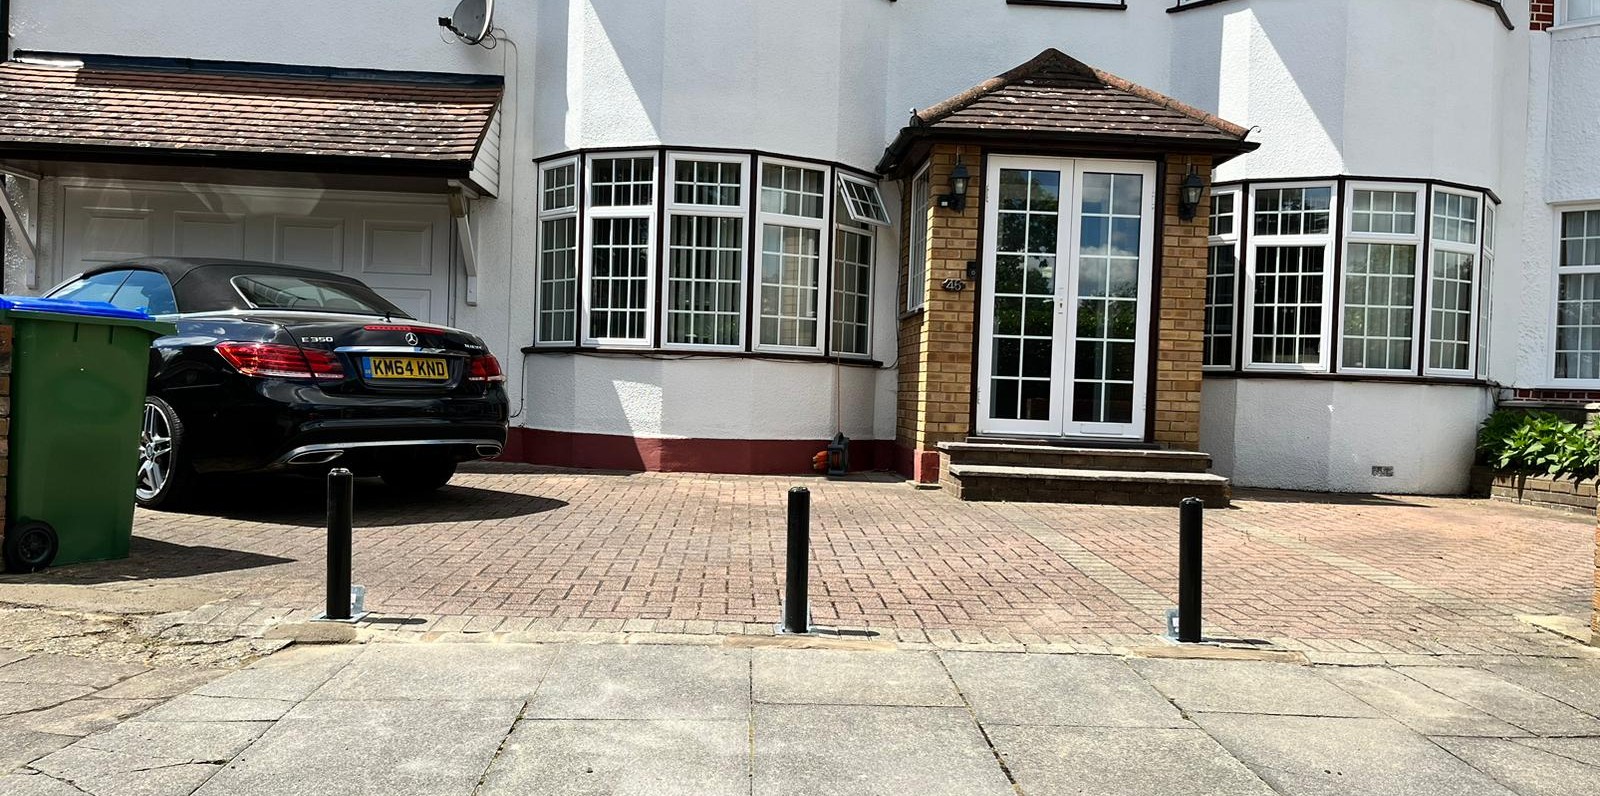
<point>959,179</point>
<point>1189,194</point>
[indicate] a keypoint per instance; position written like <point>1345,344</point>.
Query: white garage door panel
<point>399,244</point>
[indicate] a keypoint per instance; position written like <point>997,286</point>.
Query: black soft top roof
<point>201,284</point>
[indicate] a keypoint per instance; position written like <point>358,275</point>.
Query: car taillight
<point>281,361</point>
<point>394,327</point>
<point>485,367</point>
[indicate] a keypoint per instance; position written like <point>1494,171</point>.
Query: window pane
<point>1287,317</point>
<point>1451,304</point>
<point>1582,9</point>
<point>1220,269</point>
<point>560,188</point>
<point>1108,289</point>
<point>790,259</point>
<point>696,182</point>
<point>1379,295</point>
<point>852,292</point>
<point>1388,212</point>
<point>1580,238</point>
<point>619,279</point>
<point>1222,213</point>
<point>917,257</point>
<point>791,191</point>
<point>623,182</point>
<point>1293,211</point>
<point>147,291</point>
<point>862,202</point>
<point>1578,327</point>
<point>1455,218</point>
<point>705,267</point>
<point>558,280</point>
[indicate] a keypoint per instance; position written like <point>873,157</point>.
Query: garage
<point>397,243</point>
<point>108,157</point>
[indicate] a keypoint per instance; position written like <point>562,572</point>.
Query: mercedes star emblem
<point>411,338</point>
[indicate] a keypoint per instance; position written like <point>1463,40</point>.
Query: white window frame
<point>1230,239</point>
<point>823,227</point>
<point>591,213</point>
<point>1414,239</point>
<point>1485,319</point>
<point>1555,293</point>
<point>1326,240</point>
<point>842,200</point>
<point>1475,251</point>
<point>741,211</point>
<point>917,240</point>
<point>571,211</point>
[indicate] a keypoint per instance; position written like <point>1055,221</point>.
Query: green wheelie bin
<point>79,370</point>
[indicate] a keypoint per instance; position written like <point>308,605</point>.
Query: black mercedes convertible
<point>280,368</point>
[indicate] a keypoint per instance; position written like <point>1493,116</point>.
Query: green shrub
<point>1538,442</point>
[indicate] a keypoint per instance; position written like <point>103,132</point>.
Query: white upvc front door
<point>1067,262</point>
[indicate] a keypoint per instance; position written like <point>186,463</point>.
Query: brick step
<point>986,482</point>
<point>1075,458</point>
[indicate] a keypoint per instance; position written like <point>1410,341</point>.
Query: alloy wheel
<point>155,453</point>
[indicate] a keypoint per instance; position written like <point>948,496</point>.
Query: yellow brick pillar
<point>1180,325</point>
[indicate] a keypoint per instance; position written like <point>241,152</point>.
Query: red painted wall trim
<point>735,456</point>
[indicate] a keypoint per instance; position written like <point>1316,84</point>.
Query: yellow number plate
<point>412,368</point>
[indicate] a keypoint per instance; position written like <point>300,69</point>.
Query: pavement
<point>748,715</point>
<point>536,554</point>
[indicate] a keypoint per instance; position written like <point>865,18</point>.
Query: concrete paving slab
<point>190,740</point>
<point>1328,756</point>
<point>100,772</point>
<point>832,677</point>
<point>162,683</point>
<point>200,707</point>
<point>559,757</point>
<point>441,672</point>
<point>35,784</point>
<point>1415,705</point>
<point>1583,750</point>
<point>1490,693</point>
<point>1573,681</point>
<point>292,674</point>
<point>68,670</point>
<point>1249,687</point>
<point>24,697</point>
<point>1120,761</point>
<point>1528,770</point>
<point>419,748</point>
<point>844,750</point>
<point>82,717</point>
<point>20,745</point>
<point>11,656</point>
<point>645,682</point>
<point>1073,690</point>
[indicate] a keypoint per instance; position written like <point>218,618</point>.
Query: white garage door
<point>399,244</point>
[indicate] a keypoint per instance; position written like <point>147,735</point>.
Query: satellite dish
<point>471,20</point>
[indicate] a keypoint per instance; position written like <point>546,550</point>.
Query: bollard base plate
<point>354,618</point>
<point>811,627</point>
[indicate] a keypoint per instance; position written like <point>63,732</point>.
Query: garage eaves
<point>155,111</point>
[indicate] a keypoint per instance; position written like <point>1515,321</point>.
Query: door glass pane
<point>1109,249</point>
<point>1023,324</point>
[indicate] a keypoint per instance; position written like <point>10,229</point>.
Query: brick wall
<point>937,344</point>
<point>1541,14</point>
<point>1179,346</point>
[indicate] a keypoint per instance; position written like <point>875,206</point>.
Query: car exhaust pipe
<point>488,451</point>
<point>314,457</point>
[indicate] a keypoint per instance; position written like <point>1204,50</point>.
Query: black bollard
<point>1190,518</point>
<point>341,505</point>
<point>796,595</point>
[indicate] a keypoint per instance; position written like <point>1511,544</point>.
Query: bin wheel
<point>163,479</point>
<point>30,547</point>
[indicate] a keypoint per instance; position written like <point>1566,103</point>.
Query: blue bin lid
<point>93,309</point>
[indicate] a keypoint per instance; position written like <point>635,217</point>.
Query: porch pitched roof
<point>1055,96</point>
<point>60,107</point>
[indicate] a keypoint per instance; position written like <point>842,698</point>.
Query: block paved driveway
<point>512,548</point>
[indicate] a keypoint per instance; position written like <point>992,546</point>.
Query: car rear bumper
<point>332,453</point>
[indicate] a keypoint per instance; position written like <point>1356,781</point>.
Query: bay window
<point>1222,261</point>
<point>1380,290</point>
<point>791,219</point>
<point>620,256</point>
<point>1452,283</point>
<point>1286,303</point>
<point>557,292</point>
<point>853,246</point>
<point>705,270</point>
<point>1578,296</point>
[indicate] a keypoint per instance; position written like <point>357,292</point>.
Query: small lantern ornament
<point>959,181</point>
<point>838,455</point>
<point>1189,195</point>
